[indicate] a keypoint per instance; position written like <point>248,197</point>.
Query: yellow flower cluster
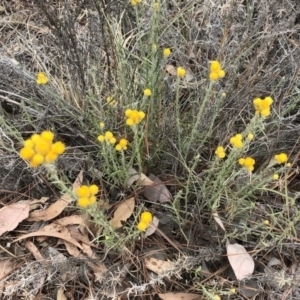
<point>110,101</point>
<point>40,149</point>
<point>247,162</point>
<point>281,158</point>
<point>236,141</point>
<point>146,219</point>
<point>263,107</point>
<point>86,195</point>
<point>108,137</point>
<point>41,78</point>
<point>122,145</point>
<point>134,117</point>
<point>135,2</point>
<point>220,152</point>
<point>181,72</point>
<point>215,71</point>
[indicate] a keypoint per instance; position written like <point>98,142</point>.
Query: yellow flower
<point>142,226</point>
<point>233,290</point>
<point>281,158</point>
<point>217,297</point>
<point>41,78</point>
<point>112,140</point>
<point>156,6</point>
<point>101,124</point>
<point>220,152</point>
<point>147,92</point>
<point>26,153</point>
<point>135,2</point>
<point>51,157</point>
<point>167,52</point>
<point>236,141</point>
<point>181,72</point>
<point>108,136</point>
<point>83,202</point>
<point>100,138</point>
<point>94,189</point>
<point>58,148</point>
<point>83,191</point>
<point>134,117</point>
<point>110,101</point>
<point>266,222</point>
<point>47,136</point>
<point>37,160</point>
<point>248,163</point>
<point>250,136</point>
<point>215,66</point>
<point>213,76</point>
<point>43,147</point>
<point>275,176</point>
<point>146,217</point>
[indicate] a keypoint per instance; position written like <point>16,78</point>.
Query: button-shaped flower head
<point>236,141</point>
<point>87,195</point>
<point>281,158</point>
<point>216,72</point>
<point>145,220</point>
<point>220,152</point>
<point>134,116</point>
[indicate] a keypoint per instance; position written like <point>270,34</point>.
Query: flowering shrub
<point>40,149</point>
<point>146,219</point>
<point>248,163</point>
<point>236,141</point>
<point>215,71</point>
<point>86,195</point>
<point>134,117</point>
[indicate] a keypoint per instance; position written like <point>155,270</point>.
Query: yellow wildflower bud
<point>35,138</point>
<point>100,138</point>
<point>166,52</point>
<point>233,290</point>
<point>51,157</point>
<point>26,153</point>
<point>118,147</point>
<point>123,142</point>
<point>156,6</point>
<point>83,201</point>
<point>215,66</point>
<point>181,72</point>
<point>108,136</point>
<point>43,147</point>
<point>142,226</point>
<point>47,136</point>
<point>29,143</point>
<point>94,189</point>
<point>146,217</point>
<point>213,76</point>
<point>217,297</point>
<point>58,148</point>
<point>129,122</point>
<point>147,92</point>
<point>275,176</point>
<point>92,200</point>
<point>266,222</point>
<point>128,113</point>
<point>83,191</point>
<point>37,160</point>
<point>281,158</point>
<point>221,74</point>
<point>113,140</point>
<point>250,136</point>
<point>101,124</point>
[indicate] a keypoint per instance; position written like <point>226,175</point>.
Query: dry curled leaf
<point>123,212</point>
<point>152,227</point>
<point>240,261</point>
<point>218,220</point>
<point>158,266</point>
<point>11,215</point>
<point>56,208</point>
<point>179,296</point>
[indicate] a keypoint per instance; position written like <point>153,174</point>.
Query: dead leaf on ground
<point>179,296</point>
<point>157,191</point>
<point>123,212</point>
<point>6,267</point>
<point>152,227</point>
<point>52,234</point>
<point>11,215</point>
<point>218,220</point>
<point>158,266</point>
<point>240,260</point>
<point>35,252</point>
<point>56,208</point>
